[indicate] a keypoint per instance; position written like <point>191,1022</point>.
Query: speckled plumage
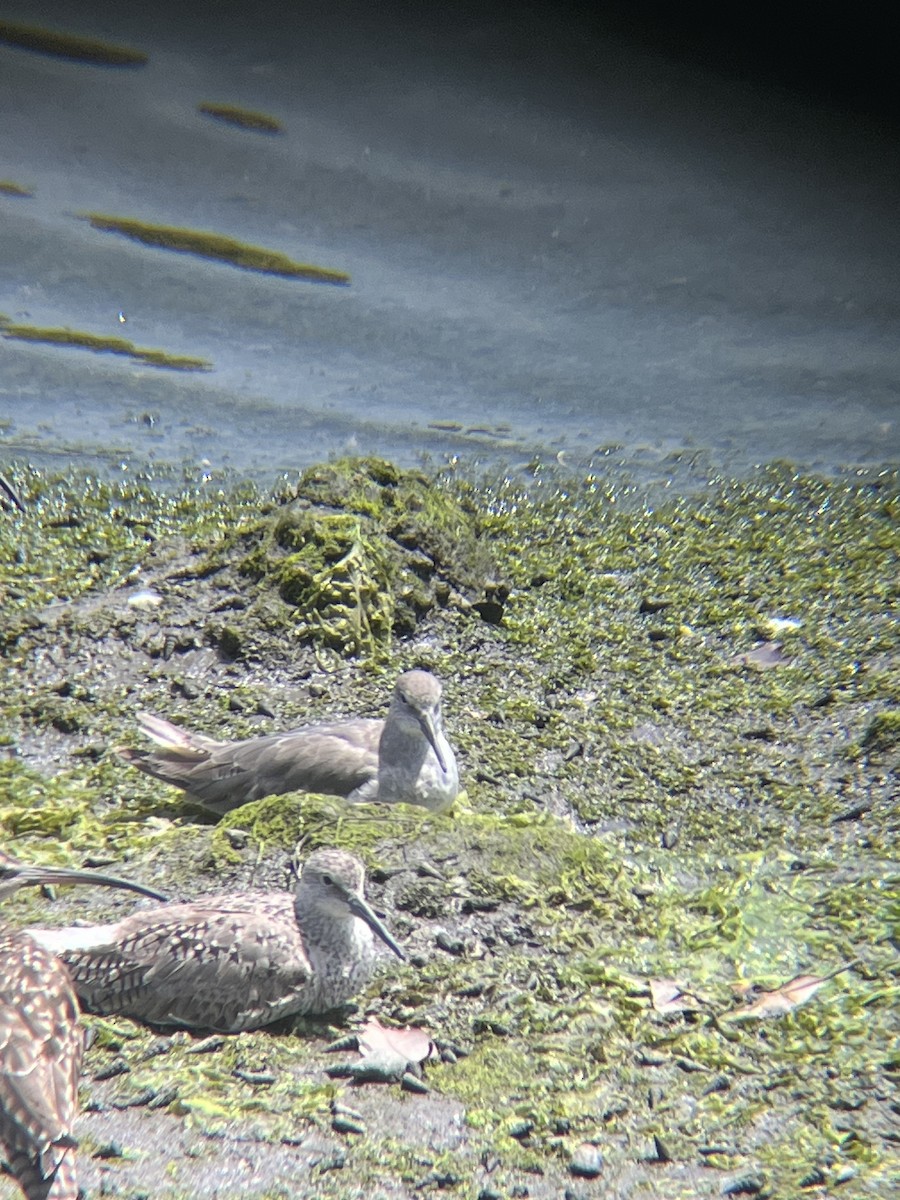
<point>232,962</point>
<point>404,758</point>
<point>41,1045</point>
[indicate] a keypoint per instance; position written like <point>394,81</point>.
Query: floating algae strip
<point>66,45</point>
<point>8,188</point>
<point>244,118</point>
<point>102,345</point>
<point>215,245</point>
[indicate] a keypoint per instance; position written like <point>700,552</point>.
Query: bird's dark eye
<point>327,880</point>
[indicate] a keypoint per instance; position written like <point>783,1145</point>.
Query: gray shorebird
<point>232,962</point>
<point>41,1046</point>
<point>404,758</point>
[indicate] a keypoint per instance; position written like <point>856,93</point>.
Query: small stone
<point>452,945</point>
<point>237,838</point>
<point>163,1098</point>
<point>412,1083</point>
<point>109,1150</point>
<point>255,1078</point>
<point>744,1185</point>
<point>520,1129</point>
<point>586,1162</point>
<point>661,1151</point>
<point>207,1045</point>
<point>653,604</point>
<point>344,1110</point>
<point>342,1124</point>
<point>145,600</point>
<point>134,1099</point>
<point>111,1070</point>
<point>349,1042</point>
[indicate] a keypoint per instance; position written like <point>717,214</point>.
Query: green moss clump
<point>882,734</point>
<point>340,583</point>
<point>356,554</point>
<point>216,246</point>
<point>67,45</point>
<point>243,118</point>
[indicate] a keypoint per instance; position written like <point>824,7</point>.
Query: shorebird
<point>232,962</point>
<point>404,758</point>
<point>41,1046</point>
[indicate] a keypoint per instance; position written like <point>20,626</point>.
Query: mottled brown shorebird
<point>41,1045</point>
<point>232,962</point>
<point>404,758</point>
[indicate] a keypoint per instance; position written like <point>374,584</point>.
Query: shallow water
<point>558,241</point>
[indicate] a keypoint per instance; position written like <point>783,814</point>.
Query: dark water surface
<point>558,239</point>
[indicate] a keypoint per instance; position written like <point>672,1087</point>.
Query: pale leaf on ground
<point>410,1043</point>
<point>668,996</point>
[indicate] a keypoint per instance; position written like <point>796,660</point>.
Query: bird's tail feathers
<point>179,745</point>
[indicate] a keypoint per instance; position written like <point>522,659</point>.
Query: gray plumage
<point>232,962</point>
<point>404,758</point>
<point>41,1046</point>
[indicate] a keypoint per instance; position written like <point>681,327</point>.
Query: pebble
<point>446,941</point>
<point>206,1045</point>
<point>111,1070</point>
<point>145,600</point>
<point>109,1150</point>
<point>342,1124</point>
<point>254,1077</point>
<point>163,1098</point>
<point>586,1162</point>
<point>412,1083</point>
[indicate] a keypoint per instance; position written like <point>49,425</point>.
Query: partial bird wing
<point>178,741</point>
<point>332,759</point>
<point>41,1046</point>
<point>223,962</point>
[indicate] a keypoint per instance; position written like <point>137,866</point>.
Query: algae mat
<point>678,727</point>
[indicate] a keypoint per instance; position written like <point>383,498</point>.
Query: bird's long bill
<point>360,909</point>
<point>427,723</point>
<point>31,874</point>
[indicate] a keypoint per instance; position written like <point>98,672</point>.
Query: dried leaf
<point>668,996</point>
<point>411,1044</point>
<point>764,657</point>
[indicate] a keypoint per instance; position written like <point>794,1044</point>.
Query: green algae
<point>641,807</point>
<point>355,555</point>
<point>215,246</point>
<point>9,188</point>
<point>101,344</point>
<point>67,45</point>
<point>243,118</point>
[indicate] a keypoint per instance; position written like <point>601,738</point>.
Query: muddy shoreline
<point>678,729</point>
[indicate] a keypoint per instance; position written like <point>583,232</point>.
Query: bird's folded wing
<point>209,964</point>
<point>41,1045</point>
